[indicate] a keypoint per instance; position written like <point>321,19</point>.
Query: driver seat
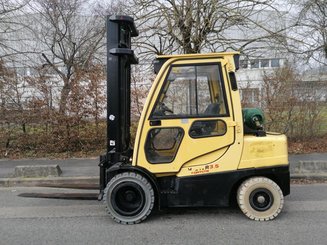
<point>212,109</point>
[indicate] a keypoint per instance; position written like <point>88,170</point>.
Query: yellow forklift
<point>194,146</point>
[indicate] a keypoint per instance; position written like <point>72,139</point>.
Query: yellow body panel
<point>227,161</point>
<point>228,152</point>
<point>270,150</point>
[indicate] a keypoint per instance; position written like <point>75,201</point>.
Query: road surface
<point>56,221</point>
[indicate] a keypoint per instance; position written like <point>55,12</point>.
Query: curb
<point>310,176</point>
<point>62,182</point>
<point>313,167</point>
<point>309,170</point>
<point>37,171</point>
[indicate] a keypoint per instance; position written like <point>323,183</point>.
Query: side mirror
<point>232,79</point>
<point>237,61</point>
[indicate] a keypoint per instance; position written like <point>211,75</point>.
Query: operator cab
<point>189,91</point>
<point>188,112</point>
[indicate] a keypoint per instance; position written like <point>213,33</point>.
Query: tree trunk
<point>64,98</point>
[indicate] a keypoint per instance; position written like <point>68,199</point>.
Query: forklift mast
<point>120,56</point>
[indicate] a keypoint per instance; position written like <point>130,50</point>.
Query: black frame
<point>215,189</point>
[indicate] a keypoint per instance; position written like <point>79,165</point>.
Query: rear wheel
<point>260,198</point>
<point>129,198</point>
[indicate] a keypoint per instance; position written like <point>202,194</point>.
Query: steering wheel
<point>162,109</point>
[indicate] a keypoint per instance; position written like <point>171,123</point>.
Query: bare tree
<point>9,25</point>
<point>13,116</point>
<point>192,26</point>
<point>309,37</point>
<point>291,103</point>
<point>279,97</point>
<point>70,39</point>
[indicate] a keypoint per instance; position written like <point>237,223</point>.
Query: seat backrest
<point>212,109</point>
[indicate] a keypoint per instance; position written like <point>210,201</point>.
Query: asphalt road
<point>54,221</point>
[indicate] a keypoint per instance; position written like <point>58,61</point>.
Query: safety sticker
<point>204,169</point>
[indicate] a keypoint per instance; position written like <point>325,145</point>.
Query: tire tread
<point>140,178</point>
<point>242,192</point>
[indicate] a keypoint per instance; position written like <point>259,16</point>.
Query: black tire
<point>129,198</point>
<point>260,198</point>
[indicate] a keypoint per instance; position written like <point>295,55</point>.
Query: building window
<point>244,64</point>
<point>260,63</point>
<point>250,95</point>
<point>254,63</point>
<point>275,63</point>
<point>264,63</point>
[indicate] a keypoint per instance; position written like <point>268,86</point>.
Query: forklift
<point>194,146</point>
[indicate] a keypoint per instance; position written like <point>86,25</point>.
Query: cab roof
<point>206,55</point>
<point>161,59</point>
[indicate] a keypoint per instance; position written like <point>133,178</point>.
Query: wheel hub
<point>128,198</point>
<point>261,199</point>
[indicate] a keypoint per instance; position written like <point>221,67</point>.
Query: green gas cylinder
<point>253,118</point>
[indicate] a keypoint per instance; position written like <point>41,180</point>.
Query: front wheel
<point>129,198</point>
<point>260,198</point>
